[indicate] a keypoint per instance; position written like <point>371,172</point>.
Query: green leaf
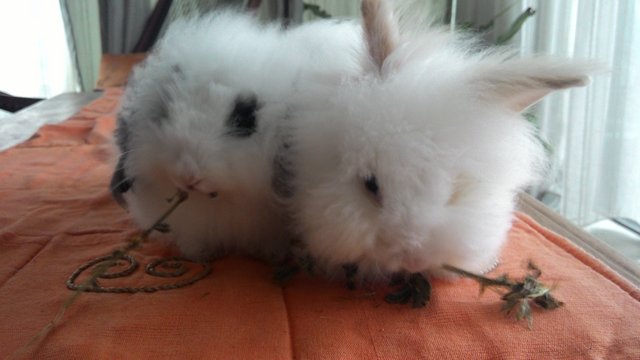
<point>417,289</point>
<point>316,10</point>
<point>401,296</point>
<point>421,290</point>
<point>515,26</point>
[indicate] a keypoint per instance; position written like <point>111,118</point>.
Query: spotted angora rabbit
<point>202,114</point>
<point>416,163</point>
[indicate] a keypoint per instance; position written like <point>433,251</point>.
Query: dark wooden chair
<point>13,104</point>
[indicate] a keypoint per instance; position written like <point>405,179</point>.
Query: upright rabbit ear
<point>380,30</point>
<point>520,83</point>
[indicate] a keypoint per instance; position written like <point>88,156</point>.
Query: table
<point>58,213</point>
<point>61,107</point>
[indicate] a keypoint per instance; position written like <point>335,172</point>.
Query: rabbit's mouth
<point>413,264</point>
<point>194,184</point>
<point>413,269</point>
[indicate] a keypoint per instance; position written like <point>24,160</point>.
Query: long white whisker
<point>120,183</point>
<point>126,152</point>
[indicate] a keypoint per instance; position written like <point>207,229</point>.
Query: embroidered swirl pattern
<point>174,267</point>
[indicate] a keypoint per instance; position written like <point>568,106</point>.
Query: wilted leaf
<point>519,293</point>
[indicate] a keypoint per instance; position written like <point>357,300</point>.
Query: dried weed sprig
<point>350,272</point>
<point>416,289</point>
<point>287,269</point>
<point>520,294</point>
<point>102,269</point>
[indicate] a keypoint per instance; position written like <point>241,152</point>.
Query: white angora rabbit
<point>202,114</point>
<point>416,163</point>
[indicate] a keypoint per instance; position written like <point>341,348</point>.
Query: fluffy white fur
<point>439,125</point>
<point>172,130</point>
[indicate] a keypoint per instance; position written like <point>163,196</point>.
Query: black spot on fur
<point>158,111</point>
<point>122,134</point>
<point>371,183</point>
<point>150,103</point>
<point>242,120</point>
<point>120,183</point>
<point>282,176</point>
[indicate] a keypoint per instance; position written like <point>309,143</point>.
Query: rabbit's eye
<point>371,184</point>
<point>242,120</point>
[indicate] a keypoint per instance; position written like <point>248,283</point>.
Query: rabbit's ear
<point>380,30</point>
<point>520,83</point>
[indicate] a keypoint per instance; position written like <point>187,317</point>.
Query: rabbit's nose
<point>187,182</point>
<point>198,184</point>
<point>191,183</point>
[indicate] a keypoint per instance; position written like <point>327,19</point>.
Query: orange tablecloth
<point>56,213</point>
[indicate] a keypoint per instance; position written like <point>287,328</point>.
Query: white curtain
<point>594,132</point>
<point>82,23</point>
<point>35,59</point>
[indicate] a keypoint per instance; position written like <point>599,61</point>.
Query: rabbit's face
<point>206,141</point>
<point>384,186</point>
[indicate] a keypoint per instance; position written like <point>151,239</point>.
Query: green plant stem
<point>98,271</point>
<point>481,279</point>
<point>519,294</point>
